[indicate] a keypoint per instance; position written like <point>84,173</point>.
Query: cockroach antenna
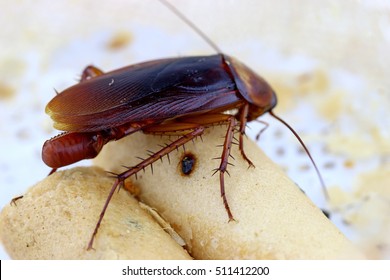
<point>191,25</point>
<point>326,194</point>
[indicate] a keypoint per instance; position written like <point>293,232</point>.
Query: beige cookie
<point>273,218</point>
<point>56,217</point>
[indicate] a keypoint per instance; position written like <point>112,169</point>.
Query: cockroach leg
<point>13,201</point>
<point>112,191</point>
<point>243,115</point>
<point>211,120</point>
<point>90,72</point>
<point>261,130</point>
<point>120,178</point>
<point>232,123</point>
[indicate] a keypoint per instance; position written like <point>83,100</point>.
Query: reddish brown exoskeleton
<point>183,95</point>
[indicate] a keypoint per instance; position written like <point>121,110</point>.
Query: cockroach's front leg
<point>243,115</point>
<point>133,170</point>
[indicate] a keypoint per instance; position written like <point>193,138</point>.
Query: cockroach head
<point>253,88</point>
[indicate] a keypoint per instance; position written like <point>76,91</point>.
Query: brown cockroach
<point>182,95</point>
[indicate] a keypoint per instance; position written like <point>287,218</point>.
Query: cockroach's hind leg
<point>116,184</point>
<point>120,178</point>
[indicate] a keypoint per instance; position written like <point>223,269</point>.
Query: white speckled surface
<point>328,63</point>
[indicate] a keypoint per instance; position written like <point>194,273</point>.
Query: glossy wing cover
<point>157,90</point>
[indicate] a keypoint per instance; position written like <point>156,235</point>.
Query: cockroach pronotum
<point>182,95</point>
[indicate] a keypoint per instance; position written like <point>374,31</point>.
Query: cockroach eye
<point>187,164</point>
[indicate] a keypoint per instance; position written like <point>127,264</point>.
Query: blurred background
<point>328,61</point>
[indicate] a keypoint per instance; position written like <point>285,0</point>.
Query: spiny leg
<point>243,115</point>
<point>156,156</point>
<point>232,122</point>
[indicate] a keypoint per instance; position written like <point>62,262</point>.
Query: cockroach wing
<point>152,91</point>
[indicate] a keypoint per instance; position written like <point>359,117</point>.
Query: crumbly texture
<point>273,218</point>
<point>56,217</point>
